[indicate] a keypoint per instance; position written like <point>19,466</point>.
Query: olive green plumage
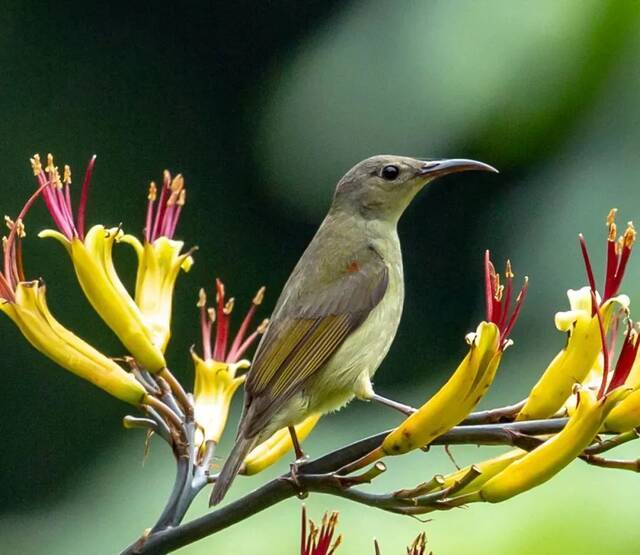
<point>339,310</point>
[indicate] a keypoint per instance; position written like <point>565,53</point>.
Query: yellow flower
<point>160,258</point>
<point>216,374</point>
<point>573,363</point>
<point>626,415</point>
<point>91,256</point>
<point>471,380</point>
<point>553,455</point>
<point>279,444</point>
<point>592,408</point>
<point>25,303</point>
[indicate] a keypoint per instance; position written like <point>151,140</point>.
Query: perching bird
<point>339,310</point>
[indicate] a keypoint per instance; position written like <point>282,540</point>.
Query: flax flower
<point>25,303</point>
<point>160,257</point>
<point>217,371</point>
<point>91,255</point>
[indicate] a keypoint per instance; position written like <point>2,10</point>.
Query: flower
<point>216,378</point>
<point>579,356</point>
<point>467,385</point>
<point>279,444</point>
<point>549,458</point>
<point>92,260</point>
<point>319,541</point>
<point>160,257</point>
<point>626,415</point>
<point>25,303</point>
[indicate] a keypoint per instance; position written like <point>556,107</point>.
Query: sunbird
<point>338,312</point>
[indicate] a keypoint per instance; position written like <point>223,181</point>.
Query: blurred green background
<point>263,106</point>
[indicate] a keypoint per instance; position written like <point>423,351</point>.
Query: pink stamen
<point>205,326</point>
<point>222,324</point>
<point>162,205</point>
<point>10,260</point>
<point>234,352</point>
<point>174,224</point>
<point>84,197</point>
<point>245,345</point>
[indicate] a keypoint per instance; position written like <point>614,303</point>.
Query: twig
<point>313,477</point>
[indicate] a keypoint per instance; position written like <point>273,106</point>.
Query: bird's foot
<point>294,476</point>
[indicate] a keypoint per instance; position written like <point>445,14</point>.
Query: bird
<point>339,311</point>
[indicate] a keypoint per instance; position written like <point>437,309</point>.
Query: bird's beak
<point>437,168</point>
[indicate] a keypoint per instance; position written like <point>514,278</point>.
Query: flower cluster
<point>580,382</point>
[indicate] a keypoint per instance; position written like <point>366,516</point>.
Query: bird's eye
<point>390,172</point>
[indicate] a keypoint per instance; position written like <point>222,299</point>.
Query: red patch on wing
<point>353,267</point>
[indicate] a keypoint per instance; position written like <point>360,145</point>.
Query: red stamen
<point>622,266</point>
<point>611,268</point>
<point>205,325</point>
<point>625,359</point>
<point>162,205</point>
<point>588,267</point>
<point>516,310</point>
<point>507,296</point>
<point>488,292</point>
<point>603,341</point>
<point>84,197</point>
<point>222,324</point>
<point>234,352</point>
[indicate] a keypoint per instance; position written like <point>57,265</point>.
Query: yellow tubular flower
<point>159,264</point>
<point>216,373</point>
<point>626,415</point>
<point>456,399</point>
<point>215,384</point>
<point>553,455</point>
<point>159,258</point>
<point>30,313</point>
<point>579,356</point>
<point>25,303</point>
<point>93,264</point>
<point>279,444</point>
<point>91,256</point>
<point>485,470</point>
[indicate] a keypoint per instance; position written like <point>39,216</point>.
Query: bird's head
<point>381,187</point>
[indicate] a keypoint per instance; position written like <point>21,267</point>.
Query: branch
<point>312,476</point>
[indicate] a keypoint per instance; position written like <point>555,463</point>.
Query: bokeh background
<point>263,106</point>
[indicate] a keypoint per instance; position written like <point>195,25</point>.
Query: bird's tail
<point>231,468</point>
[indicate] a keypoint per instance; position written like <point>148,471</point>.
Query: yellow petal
<point>455,400</point>
<point>93,263</point>
<point>553,455</point>
<point>215,385</point>
<point>573,363</point>
<point>279,444</point>
<point>45,333</point>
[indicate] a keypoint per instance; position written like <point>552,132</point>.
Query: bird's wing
<point>307,331</point>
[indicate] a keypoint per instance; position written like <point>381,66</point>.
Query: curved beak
<point>437,168</point>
